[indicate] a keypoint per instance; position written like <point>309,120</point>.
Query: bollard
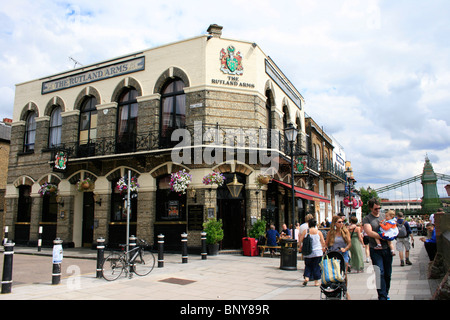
<point>100,255</point>
<point>160,251</point>
<point>5,240</point>
<point>40,239</point>
<point>57,259</point>
<point>204,251</point>
<point>7,267</point>
<point>132,245</point>
<point>184,252</point>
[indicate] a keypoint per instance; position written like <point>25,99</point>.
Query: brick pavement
<point>222,277</point>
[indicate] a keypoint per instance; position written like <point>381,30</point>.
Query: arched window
<point>30,132</point>
<point>88,127</point>
<point>269,104</point>
<point>173,109</point>
<point>127,121</point>
<point>54,137</point>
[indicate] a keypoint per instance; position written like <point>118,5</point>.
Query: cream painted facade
<point>212,98</point>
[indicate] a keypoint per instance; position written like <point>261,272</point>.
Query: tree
<point>366,195</point>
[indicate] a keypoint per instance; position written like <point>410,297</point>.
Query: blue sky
<point>375,74</point>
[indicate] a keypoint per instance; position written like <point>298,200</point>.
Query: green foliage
<point>366,195</point>
<point>258,229</point>
<point>214,231</point>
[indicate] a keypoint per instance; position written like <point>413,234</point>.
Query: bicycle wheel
<point>112,267</point>
<point>144,263</point>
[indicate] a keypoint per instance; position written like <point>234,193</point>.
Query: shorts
<point>403,244</point>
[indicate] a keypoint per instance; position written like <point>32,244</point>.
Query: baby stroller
<point>334,284</point>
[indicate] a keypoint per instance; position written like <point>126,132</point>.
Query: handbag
<point>331,270</point>
<point>307,245</point>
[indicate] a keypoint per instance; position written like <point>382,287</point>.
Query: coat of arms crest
<point>231,61</point>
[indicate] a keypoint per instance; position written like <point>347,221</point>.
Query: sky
<point>374,73</point>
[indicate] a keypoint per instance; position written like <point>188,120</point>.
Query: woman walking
<point>312,267</point>
<point>356,253</point>
<point>338,239</point>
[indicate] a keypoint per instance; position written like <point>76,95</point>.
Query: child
<point>388,231</point>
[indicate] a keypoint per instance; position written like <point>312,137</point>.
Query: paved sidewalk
<point>222,277</point>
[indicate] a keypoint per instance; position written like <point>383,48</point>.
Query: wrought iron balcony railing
<point>198,135</point>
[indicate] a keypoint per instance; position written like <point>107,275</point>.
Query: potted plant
<point>214,178</point>
<point>122,185</point>
<point>258,229</point>
<point>179,181</point>
<point>85,185</point>
<point>214,234</point>
<point>263,179</point>
<point>48,189</point>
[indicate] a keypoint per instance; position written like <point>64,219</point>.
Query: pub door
<point>232,213</point>
<point>88,219</point>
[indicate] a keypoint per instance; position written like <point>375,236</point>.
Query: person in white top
<point>312,261</point>
<point>304,226</point>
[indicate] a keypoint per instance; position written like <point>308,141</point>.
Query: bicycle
<point>136,260</point>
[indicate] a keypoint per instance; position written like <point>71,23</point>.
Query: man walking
<point>403,245</point>
<point>381,258</point>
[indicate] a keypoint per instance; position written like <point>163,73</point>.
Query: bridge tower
<point>430,200</point>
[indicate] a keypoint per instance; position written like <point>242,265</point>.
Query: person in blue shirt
<point>272,236</point>
<point>430,244</point>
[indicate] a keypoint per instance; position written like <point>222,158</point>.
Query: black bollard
<point>7,267</point>
<point>204,251</point>
<point>160,251</point>
<point>184,252</point>
<point>132,245</point>
<point>100,255</point>
<point>40,239</point>
<point>57,260</point>
<point>5,240</point>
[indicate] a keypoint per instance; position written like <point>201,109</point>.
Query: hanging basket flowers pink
<point>48,189</point>
<point>214,178</point>
<point>122,185</point>
<point>179,181</point>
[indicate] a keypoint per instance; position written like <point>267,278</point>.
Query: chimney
<point>7,120</point>
<point>215,30</point>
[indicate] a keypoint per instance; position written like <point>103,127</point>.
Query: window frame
<point>165,132</point>
<point>126,140</point>
<point>30,133</point>
<point>55,130</point>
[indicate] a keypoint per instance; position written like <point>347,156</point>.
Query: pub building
<point>202,105</point>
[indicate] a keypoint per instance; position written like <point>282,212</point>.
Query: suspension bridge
<point>429,186</point>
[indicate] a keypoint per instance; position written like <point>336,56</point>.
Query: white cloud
<point>375,74</point>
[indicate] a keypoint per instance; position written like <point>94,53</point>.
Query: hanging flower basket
<point>214,178</point>
<point>263,179</point>
<point>122,185</point>
<point>48,189</point>
<point>85,185</point>
<point>179,181</point>
<point>348,202</point>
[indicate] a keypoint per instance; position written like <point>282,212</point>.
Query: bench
<point>264,247</point>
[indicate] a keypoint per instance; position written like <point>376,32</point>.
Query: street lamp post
<point>291,135</point>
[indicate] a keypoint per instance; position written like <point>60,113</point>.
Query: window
<point>268,117</point>
<point>30,132</point>
<point>88,127</point>
<point>55,128</point>
<point>170,206</point>
<point>127,121</point>
<point>173,109</point>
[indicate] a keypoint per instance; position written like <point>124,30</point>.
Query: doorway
<point>232,211</point>
<point>88,219</point>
